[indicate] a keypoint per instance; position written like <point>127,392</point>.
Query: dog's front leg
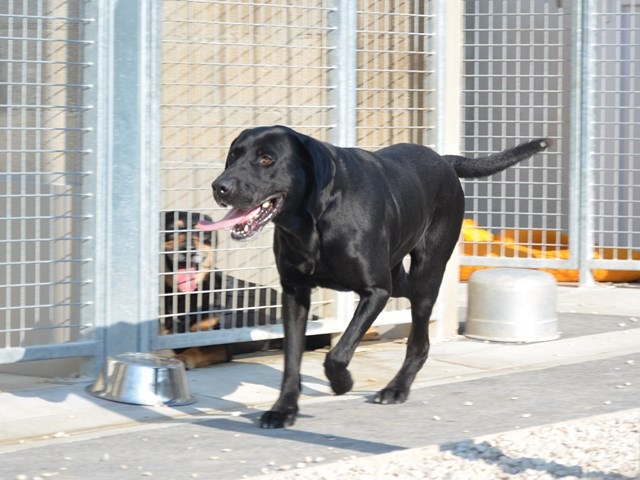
<point>295,311</point>
<point>372,301</point>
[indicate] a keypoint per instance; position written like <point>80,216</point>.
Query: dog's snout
<point>222,188</point>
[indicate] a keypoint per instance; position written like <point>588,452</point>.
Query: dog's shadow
<point>251,381</point>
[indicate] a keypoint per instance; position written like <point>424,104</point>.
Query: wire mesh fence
<point>396,81</point>
<point>522,67</point>
<point>232,65</point>
<point>396,73</point>
<point>45,237</point>
<point>227,66</point>
<point>616,133</point>
<point>516,88</point>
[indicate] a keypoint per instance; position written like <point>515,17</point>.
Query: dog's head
<point>271,174</point>
<point>188,253</point>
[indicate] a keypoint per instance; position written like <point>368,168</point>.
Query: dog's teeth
<point>266,204</point>
<point>246,229</point>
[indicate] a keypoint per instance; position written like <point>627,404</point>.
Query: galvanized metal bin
<point>512,305</point>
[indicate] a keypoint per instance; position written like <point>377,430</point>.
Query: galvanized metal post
<point>449,60</point>
<point>93,140</point>
<point>150,126</point>
<point>344,76</point>
<point>343,80</point>
<point>449,56</point>
<point>128,164</point>
<point>581,155</point>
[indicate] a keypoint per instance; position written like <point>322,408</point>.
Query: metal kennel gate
<point>47,181</point>
<point>350,76</point>
<point>77,190</point>
<point>569,71</point>
<point>612,99</point>
<point>115,117</point>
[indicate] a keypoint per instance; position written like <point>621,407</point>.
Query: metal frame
<point>125,116</point>
<point>343,40</point>
<point>582,238</point>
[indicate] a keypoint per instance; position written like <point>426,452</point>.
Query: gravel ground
<point>605,447</point>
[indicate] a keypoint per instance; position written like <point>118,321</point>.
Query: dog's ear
<point>317,159</point>
<point>322,170</point>
<point>173,221</point>
<point>226,160</point>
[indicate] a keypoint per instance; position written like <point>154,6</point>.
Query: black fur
<point>345,219</point>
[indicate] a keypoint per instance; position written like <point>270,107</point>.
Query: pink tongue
<point>187,279</point>
<point>234,217</point>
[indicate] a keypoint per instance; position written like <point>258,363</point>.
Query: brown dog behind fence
<point>197,297</point>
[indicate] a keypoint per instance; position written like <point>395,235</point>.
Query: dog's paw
<point>188,363</point>
<point>388,396</point>
<point>275,419</point>
<point>340,380</point>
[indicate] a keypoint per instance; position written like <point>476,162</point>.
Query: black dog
<point>345,218</point>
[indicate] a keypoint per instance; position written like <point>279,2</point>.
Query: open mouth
<point>245,224</point>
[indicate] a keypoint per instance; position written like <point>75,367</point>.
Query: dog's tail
<point>485,166</point>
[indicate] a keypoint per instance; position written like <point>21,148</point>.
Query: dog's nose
<point>222,188</point>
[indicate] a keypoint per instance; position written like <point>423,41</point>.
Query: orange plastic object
<point>538,244</point>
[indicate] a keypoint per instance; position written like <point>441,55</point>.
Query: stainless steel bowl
<point>143,379</point>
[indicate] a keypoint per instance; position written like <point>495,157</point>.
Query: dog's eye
<point>265,159</point>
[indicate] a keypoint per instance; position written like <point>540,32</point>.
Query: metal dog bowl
<point>143,379</point>
<point>512,305</point>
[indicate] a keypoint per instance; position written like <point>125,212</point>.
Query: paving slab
<point>229,445</point>
<point>254,381</point>
<point>467,388</point>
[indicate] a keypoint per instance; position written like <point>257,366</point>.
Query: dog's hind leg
<point>428,262</point>
<point>400,279</point>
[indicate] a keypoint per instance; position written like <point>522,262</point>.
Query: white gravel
<point>605,447</point>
